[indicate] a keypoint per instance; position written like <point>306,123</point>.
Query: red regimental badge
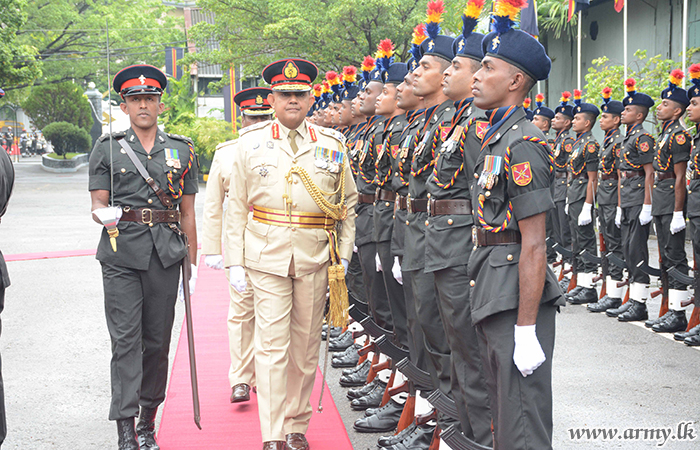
<point>591,148</point>
<point>444,132</point>
<point>481,127</point>
<point>394,151</point>
<point>644,147</point>
<point>522,175</point>
<point>680,139</point>
<point>567,148</point>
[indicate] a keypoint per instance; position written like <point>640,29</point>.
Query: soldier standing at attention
<point>296,178</point>
<point>514,294</point>
<point>7,182</point>
<point>241,315</point>
<point>634,212</point>
<point>668,199</point>
<point>583,176</point>
<point>607,198</point>
<point>141,271</point>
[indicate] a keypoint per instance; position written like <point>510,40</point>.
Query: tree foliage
<point>552,17</point>
<point>13,17</point>
<point>62,102</point>
<point>66,137</point>
<point>69,38</point>
<point>180,104</point>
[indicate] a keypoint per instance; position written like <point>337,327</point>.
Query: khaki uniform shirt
<point>217,193</point>
<point>259,177</point>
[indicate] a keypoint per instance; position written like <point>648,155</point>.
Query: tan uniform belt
<point>149,216</point>
<point>482,237</point>
<point>279,218</point>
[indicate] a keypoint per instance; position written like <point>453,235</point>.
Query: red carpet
<point>48,255</point>
<point>225,425</point>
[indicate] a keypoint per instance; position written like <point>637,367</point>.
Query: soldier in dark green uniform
<point>514,294</point>
<point>448,237</point>
<point>634,215</point>
<point>563,144</point>
<point>582,181</point>
<point>607,199</point>
<point>141,270</point>
<point>7,182</point>
<point>542,119</point>
<point>692,336</point>
<point>668,200</point>
<point>392,74</point>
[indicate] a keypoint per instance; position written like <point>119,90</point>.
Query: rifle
<point>695,315</point>
<point>458,441</point>
<point>409,409</point>
<point>574,275</point>
<point>604,265</point>
<point>420,378</point>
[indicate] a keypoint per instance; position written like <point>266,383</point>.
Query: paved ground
<point>55,345</point>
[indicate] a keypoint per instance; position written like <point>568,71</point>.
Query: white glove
<point>585,217</point>
<point>528,354</point>
<point>396,271</point>
<point>566,209</point>
<point>618,217</point>
<point>678,222</point>
<point>354,248</point>
<point>645,215</point>
<point>345,264</point>
<point>215,262</point>
<point>236,278</point>
<point>193,283</point>
<point>378,263</point>
<point>109,215</point>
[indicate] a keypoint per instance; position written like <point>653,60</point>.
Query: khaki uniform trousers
<point>241,331</point>
<point>288,320</point>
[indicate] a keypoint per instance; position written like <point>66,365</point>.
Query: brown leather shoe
<point>274,445</point>
<point>240,393</point>
<point>297,441</point>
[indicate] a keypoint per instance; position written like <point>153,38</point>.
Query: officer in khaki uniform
<point>241,315</point>
<point>296,178</point>
<point>514,295</point>
<point>140,271</point>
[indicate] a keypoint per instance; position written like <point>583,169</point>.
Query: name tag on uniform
<point>172,158</point>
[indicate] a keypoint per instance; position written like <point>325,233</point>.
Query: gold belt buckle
<point>475,236</point>
<point>150,216</point>
<point>408,204</point>
<point>429,207</point>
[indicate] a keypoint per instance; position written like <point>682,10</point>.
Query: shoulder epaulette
<point>331,133</point>
<point>255,126</point>
<point>115,135</point>
<point>180,138</point>
<point>226,144</point>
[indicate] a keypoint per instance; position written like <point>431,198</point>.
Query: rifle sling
<point>165,199</point>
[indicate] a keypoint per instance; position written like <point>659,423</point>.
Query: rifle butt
<point>409,410</point>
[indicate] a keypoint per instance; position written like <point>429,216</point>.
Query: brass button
<point>671,186</point>
<point>639,185</point>
<point>123,170</point>
<point>487,194</point>
<point>472,283</point>
<point>124,151</point>
<point>449,222</point>
<point>407,223</point>
<point>476,175</point>
<point>150,200</point>
<point>174,170</point>
<point>150,224</point>
<point>427,223</point>
<point>393,217</point>
<point>149,157</point>
<point>654,186</point>
<point>621,186</point>
<point>428,195</point>
<point>474,249</point>
<point>396,174</point>
<point>581,181</point>
<point>515,127</point>
<point>568,184</point>
<point>509,257</point>
<point>387,204</point>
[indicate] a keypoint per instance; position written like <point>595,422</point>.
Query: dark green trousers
<point>140,309</point>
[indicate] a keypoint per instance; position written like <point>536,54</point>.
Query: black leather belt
<point>414,205</point>
<point>483,238</point>
<point>448,207</point>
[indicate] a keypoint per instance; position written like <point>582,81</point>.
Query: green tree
<point>553,16</point>
<point>66,137</point>
<point>180,104</point>
<point>63,102</point>
<point>69,37</point>
<point>18,62</point>
<point>206,133</point>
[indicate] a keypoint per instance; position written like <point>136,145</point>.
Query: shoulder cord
<point>433,143</point>
<point>453,179</point>
<point>386,149</point>
<point>369,150</point>
<point>176,192</point>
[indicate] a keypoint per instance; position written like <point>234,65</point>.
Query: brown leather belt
<point>658,176</point>
<point>632,173</point>
<point>400,202</point>
<point>447,207</point>
<point>414,205</point>
<point>383,195</point>
<point>559,174</point>
<point>582,174</point>
<point>365,198</point>
<point>149,216</point>
<point>483,238</point>
<point>612,176</point>
<point>694,175</point>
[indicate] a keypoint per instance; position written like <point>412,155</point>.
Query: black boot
<point>619,310</point>
<point>585,295</point>
<point>146,429</point>
<point>673,323</point>
<point>681,335</point>
<point>637,312</point>
<point>604,304</point>
<point>651,322</point>
<point>127,434</point>
<point>692,341</point>
<point>573,292</point>
<point>564,284</point>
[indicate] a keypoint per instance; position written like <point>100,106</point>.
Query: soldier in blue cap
<point>606,197</point>
<point>155,181</point>
<point>580,196</point>
<point>668,200</point>
<point>634,210</point>
<point>514,294</point>
<point>562,146</point>
<point>542,119</point>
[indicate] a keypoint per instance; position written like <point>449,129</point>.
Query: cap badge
<point>460,46</point>
<point>669,94</point>
<point>290,70</point>
<point>258,100</point>
<point>431,45</point>
<point>142,79</point>
<point>495,43</point>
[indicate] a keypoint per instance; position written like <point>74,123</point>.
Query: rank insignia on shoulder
<point>591,148</point>
<point>115,135</point>
<point>481,128</point>
<point>522,175</point>
<point>644,147</point>
<point>567,148</point>
<point>680,138</point>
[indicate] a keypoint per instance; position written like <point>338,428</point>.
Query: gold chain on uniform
<point>336,211</point>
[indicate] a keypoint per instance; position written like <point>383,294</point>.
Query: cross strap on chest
<point>165,199</point>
